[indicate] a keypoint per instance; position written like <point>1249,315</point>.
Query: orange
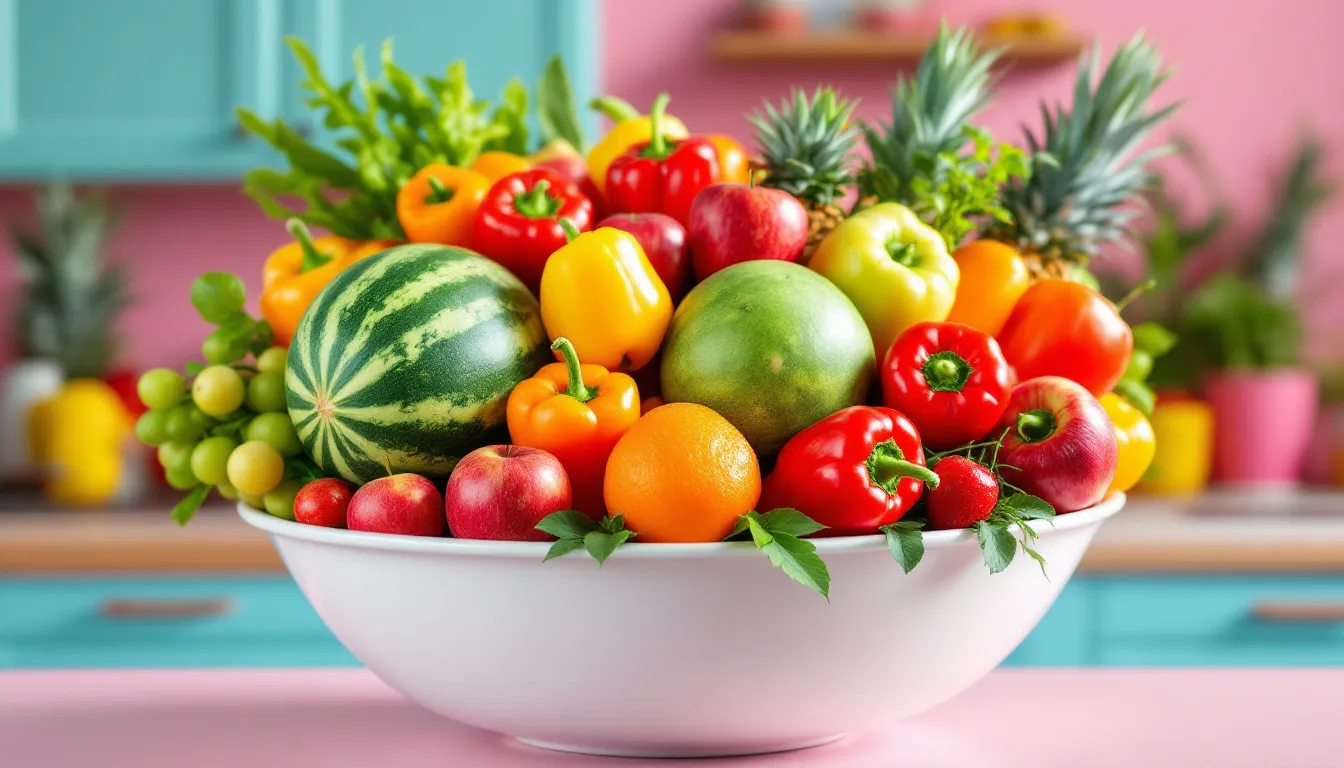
<point>682,473</point>
<point>993,278</point>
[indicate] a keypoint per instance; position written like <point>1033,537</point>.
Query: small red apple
<point>573,167</point>
<point>323,502</point>
<point>501,492</point>
<point>407,504</point>
<point>664,242</point>
<point>732,223</point>
<point>1059,445</point>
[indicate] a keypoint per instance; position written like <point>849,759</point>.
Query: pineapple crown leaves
<point>1273,256</point>
<point>1085,173</point>
<point>71,299</point>
<point>806,142</point>
<point>929,113</point>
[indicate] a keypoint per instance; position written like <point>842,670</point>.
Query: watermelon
<point>771,346</point>
<point>408,357</point>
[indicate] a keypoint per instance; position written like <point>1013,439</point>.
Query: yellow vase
<point>1184,456</point>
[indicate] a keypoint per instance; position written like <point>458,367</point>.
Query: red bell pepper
<point>950,379</point>
<point>853,471</point>
<point>661,175</point>
<point>518,223</point>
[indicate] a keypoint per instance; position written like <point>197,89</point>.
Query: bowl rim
<point>536,550</point>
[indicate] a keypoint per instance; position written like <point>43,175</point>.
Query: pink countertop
<point>332,718</point>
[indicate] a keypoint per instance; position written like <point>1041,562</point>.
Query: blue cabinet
<point>1192,621</point>
<point>162,622</point>
<point>146,89</point>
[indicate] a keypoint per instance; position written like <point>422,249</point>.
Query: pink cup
<point>1264,422</point>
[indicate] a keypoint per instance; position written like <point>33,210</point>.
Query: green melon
<point>772,346</point>
<point>410,356</point>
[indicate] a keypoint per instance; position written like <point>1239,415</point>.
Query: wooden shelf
<point>860,47</point>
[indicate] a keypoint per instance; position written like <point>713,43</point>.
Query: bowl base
<point>688,752</point>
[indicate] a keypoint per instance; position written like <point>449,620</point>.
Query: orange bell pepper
<point>576,413</point>
<point>734,164</point>
<point>601,293</point>
<point>495,165</point>
<point>295,273</point>
<point>438,204</point>
<point>993,278</point>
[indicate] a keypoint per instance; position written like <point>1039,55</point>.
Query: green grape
<point>222,349</point>
<point>266,392</point>
<point>181,477</point>
<point>280,501</point>
<point>210,459</point>
<point>276,430</point>
<point>152,427</point>
<point>176,455</point>
<point>161,389</point>
<point>218,390</point>
<point>272,360</point>
<point>183,426</point>
<point>255,468</point>
<point>253,500</point>
<point>227,491</point>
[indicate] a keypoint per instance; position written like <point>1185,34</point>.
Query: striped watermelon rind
<point>408,358</point>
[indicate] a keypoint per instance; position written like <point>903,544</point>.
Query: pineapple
<point>1085,178</point>
<point>930,116</point>
<point>71,299</point>
<point>806,144</point>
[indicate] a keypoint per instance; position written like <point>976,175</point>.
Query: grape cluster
<point>226,428</point>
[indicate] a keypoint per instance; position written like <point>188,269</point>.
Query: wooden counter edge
<point>257,555</point>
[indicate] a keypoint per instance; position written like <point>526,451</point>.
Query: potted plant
<point>1245,331</point>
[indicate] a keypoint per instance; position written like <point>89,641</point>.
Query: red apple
<point>732,223</point>
<point>664,242</point>
<point>323,502</point>
<point>406,504</point>
<point>1059,444</point>
<point>573,167</point>
<point>501,492</point>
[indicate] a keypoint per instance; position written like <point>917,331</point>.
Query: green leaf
<point>557,111</point>
<point>300,468</point>
<point>1137,394</point>
<point>790,521</point>
<point>563,547</point>
<point>1040,560</point>
<point>798,559</point>
<point>601,544</point>
<point>567,524</point>
<point>218,296</point>
<point>186,508</point>
<point>1153,338</point>
<point>511,117</point>
<point>996,544</point>
<point>1028,507</point>
<point>906,542</point>
<point>192,367</point>
<point>741,525</point>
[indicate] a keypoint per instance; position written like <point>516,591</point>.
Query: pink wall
<point>1244,105</point>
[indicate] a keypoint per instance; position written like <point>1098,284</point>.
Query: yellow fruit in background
<point>1184,453</point>
<point>78,435</point>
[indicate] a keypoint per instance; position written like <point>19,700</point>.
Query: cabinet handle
<point>1298,612</point>
<point>131,608</point>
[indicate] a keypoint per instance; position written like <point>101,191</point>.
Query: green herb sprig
<point>779,534</point>
<point>574,530</point>
<point>956,191</point>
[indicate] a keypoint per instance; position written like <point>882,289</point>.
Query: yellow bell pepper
<point>495,165</point>
<point>294,274</point>
<point>1184,455</point>
<point>1134,438</point>
<point>601,293</point>
<point>629,128</point>
<point>894,267</point>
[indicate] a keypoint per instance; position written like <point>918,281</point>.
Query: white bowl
<point>674,649</point>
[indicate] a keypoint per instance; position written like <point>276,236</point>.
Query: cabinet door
<point>137,88</point>
<point>1062,639</point>
<point>498,39</point>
